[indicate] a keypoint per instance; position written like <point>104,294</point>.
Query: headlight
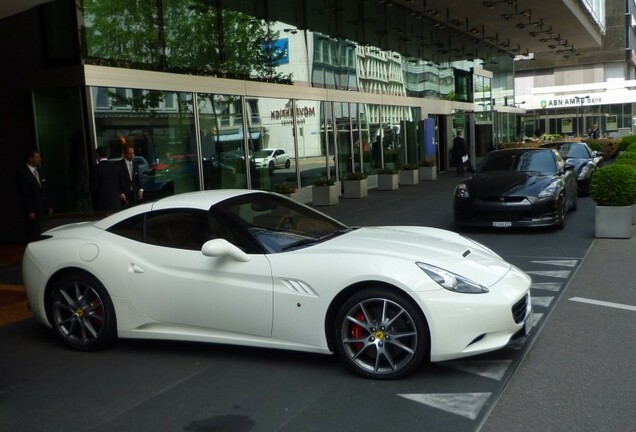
<point>452,281</point>
<point>549,191</point>
<point>585,170</point>
<point>461,191</point>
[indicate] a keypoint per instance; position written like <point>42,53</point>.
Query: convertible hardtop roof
<point>193,200</point>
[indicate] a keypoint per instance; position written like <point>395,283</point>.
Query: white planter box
<point>633,214</point>
<point>388,182</point>
<point>614,222</point>
<point>428,173</point>
<point>355,188</point>
<point>409,177</point>
<point>325,195</point>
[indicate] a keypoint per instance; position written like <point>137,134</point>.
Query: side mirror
<point>220,248</point>
<point>568,167</point>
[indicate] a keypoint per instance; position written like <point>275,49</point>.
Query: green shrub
<point>408,167</point>
<point>626,141</point>
<point>626,155</point>
<point>324,181</point>
<point>631,148</point>
<point>595,145</point>
<point>426,163</point>
<point>284,188</point>
<point>387,171</point>
<point>614,185</point>
<point>355,176</point>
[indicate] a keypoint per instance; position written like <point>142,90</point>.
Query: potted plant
<point>324,192</point>
<point>409,175</point>
<point>427,170</point>
<point>388,179</point>
<point>285,188</point>
<point>624,159</point>
<point>355,185</point>
<point>613,188</point>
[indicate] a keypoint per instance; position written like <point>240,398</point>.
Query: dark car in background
<point>517,188</point>
<point>584,159</point>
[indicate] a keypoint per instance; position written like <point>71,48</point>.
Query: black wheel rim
<point>379,336</point>
<point>79,313</point>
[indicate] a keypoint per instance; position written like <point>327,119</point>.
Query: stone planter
<point>355,188</point>
<point>294,195</point>
<point>387,182</point>
<point>409,177</point>
<point>428,173</point>
<point>325,195</point>
<point>633,214</point>
<point>613,222</point>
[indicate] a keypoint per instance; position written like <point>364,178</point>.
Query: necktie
<point>129,163</point>
<point>37,176</point>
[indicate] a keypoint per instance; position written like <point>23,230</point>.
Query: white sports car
<point>256,268</point>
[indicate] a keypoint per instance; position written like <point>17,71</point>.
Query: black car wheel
<point>82,313</point>
<point>562,209</point>
<point>381,334</point>
<point>287,163</point>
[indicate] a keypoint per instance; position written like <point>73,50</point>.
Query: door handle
<point>137,269</point>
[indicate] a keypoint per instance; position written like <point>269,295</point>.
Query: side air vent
<point>299,287</point>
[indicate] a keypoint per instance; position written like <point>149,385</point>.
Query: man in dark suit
<point>129,171</point>
<point>460,150</point>
<point>106,185</point>
<point>32,189</point>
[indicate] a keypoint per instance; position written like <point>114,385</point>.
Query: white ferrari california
<point>259,269</point>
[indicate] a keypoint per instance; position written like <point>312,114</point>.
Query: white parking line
<point>604,303</point>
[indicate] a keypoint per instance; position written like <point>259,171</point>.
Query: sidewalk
<point>13,305</point>
<point>579,374</point>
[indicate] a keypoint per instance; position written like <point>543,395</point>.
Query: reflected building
<point>197,87</point>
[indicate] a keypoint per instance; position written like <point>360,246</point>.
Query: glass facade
<point>191,138</point>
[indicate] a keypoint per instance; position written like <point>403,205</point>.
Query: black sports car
<point>584,159</point>
<point>517,188</point>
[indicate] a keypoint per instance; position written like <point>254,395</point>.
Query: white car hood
<point>441,248</point>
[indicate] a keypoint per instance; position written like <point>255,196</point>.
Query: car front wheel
<point>381,334</point>
<point>82,313</point>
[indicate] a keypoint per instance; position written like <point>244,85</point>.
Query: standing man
<point>594,133</point>
<point>106,184</point>
<point>459,153</point>
<point>132,192</point>
<point>32,189</point>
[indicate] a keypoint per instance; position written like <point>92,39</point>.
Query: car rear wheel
<point>381,334</point>
<point>287,163</point>
<point>82,313</point>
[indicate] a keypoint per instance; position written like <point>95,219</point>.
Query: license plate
<point>502,224</point>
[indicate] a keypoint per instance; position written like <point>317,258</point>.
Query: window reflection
<point>160,126</point>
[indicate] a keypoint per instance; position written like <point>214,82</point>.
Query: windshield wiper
<point>314,240</point>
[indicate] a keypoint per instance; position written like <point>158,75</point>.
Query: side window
<point>179,229</point>
<point>132,228</point>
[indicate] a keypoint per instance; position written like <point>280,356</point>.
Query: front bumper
<point>463,325</point>
<point>507,213</point>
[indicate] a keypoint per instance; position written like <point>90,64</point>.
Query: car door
<point>171,281</point>
<point>279,158</point>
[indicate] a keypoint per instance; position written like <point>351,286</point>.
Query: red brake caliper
<point>357,332</point>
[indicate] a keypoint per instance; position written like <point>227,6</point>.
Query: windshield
<point>574,151</point>
<point>520,161</point>
<point>278,223</point>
